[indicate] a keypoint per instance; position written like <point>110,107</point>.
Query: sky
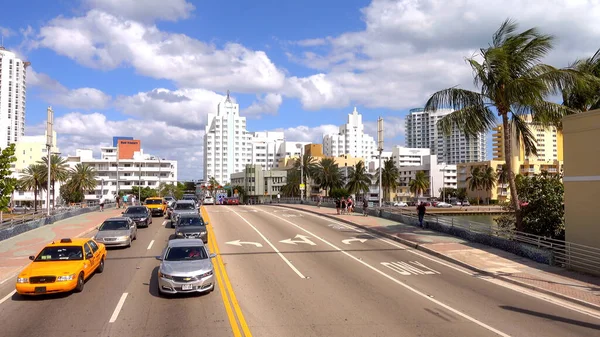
<point>154,69</point>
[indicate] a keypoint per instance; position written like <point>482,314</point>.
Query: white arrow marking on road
<point>347,241</point>
<point>303,239</point>
<point>239,243</point>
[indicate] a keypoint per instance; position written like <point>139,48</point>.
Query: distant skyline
<point>154,71</point>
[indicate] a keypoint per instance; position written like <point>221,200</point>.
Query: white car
<point>443,205</point>
<point>400,204</point>
<point>209,201</point>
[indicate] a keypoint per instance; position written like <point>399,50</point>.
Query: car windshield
<point>185,206</point>
<point>191,221</point>
<point>135,210</point>
<point>153,201</point>
<point>60,253</point>
<point>186,253</point>
<point>114,225</point>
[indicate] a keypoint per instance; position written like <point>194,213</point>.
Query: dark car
<point>139,214</point>
<point>191,227</point>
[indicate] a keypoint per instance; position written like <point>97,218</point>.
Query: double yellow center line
<point>227,295</point>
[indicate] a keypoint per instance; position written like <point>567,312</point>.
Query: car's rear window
<point>153,201</point>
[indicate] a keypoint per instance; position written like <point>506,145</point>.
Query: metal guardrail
<point>565,254</point>
<point>10,220</point>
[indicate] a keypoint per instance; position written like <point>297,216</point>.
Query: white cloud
<point>411,48</point>
<point>6,32</point>
<point>393,127</point>
<point>308,133</point>
<point>105,41</point>
<point>170,10</point>
<point>185,108</point>
<point>267,104</point>
<point>57,94</point>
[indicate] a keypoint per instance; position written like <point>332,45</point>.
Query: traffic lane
<point>336,298</point>
<point>81,314</point>
<point>147,314</point>
<point>486,301</point>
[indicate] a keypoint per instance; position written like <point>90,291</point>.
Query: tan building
<point>499,192</point>
<point>31,149</point>
<point>582,177</point>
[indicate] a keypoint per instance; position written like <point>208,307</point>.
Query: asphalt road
<point>291,274</point>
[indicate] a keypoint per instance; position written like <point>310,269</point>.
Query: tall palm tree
<point>389,177</point>
<point>309,164</point>
<point>420,184</point>
<point>488,179</point>
<point>327,175</point>
<point>32,179</point>
<point>59,171</point>
<point>474,181</point>
<point>585,96</point>
<point>213,184</point>
<point>359,180</point>
<point>292,186</point>
<point>83,178</point>
<point>514,83</point>
<point>502,175</point>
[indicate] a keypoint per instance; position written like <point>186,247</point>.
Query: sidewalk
<point>568,285</point>
<point>15,251</point>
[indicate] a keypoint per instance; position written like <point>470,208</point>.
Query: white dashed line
<point>115,314</point>
<point>150,245</point>
<point>7,296</point>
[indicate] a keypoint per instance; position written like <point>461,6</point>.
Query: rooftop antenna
<point>228,99</point>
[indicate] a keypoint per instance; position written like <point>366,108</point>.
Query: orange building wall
<point>128,147</point>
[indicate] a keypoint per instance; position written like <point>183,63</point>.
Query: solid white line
<point>425,296</point>
<point>272,246</point>
<point>150,245</point>
<point>115,314</point>
<point>7,296</point>
<point>164,224</point>
<point>10,277</point>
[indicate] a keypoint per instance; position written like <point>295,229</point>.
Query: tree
<point>190,186</point>
<point>420,184</point>
<point>339,193</point>
<point>213,185</point>
<point>327,175</point>
<point>59,171</point>
<point>502,175</point>
<point>174,190</point>
<point>292,186</point>
<point>359,180</point>
<point>83,178</point>
<point>447,192</point>
<point>143,192</point>
<point>309,164</point>
<point>513,82</point>
<point>585,96</point>
<point>32,179</point>
<point>488,179</point>
<point>7,184</point>
<point>461,194</point>
<point>389,177</point>
<point>240,191</point>
<point>71,193</point>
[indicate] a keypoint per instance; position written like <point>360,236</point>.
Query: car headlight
<point>202,233</point>
<point>123,238</point>
<point>160,274</point>
<point>22,280</point>
<point>205,274</point>
<point>65,278</point>
<point>143,219</point>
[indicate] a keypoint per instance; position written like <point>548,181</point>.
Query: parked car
<point>117,232</point>
<point>400,204</point>
<point>466,203</point>
<point>191,227</point>
<point>456,203</point>
<point>442,204</point>
<point>185,267</point>
<point>141,215</point>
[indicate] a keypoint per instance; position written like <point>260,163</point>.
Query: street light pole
<point>159,177</point>
<point>140,183</point>
<point>444,184</point>
<point>301,159</point>
<point>118,168</point>
<point>380,149</point>
<point>49,141</point>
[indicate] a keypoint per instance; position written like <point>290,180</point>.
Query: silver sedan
<point>185,267</point>
<point>117,232</point>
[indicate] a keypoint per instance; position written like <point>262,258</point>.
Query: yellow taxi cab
<point>156,205</point>
<point>62,266</point>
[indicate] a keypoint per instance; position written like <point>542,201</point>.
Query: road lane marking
<point>349,241</point>
<point>164,224</point>
<point>303,239</point>
<point>222,277</point>
<point>150,245</point>
<point>407,269</point>
<point>7,296</point>
<point>115,314</point>
<point>239,243</point>
<point>408,287</point>
<point>272,246</point>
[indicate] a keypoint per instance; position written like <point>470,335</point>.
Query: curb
<point>430,251</point>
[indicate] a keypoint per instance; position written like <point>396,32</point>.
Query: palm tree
<point>83,178</point>
<point>309,164</point>
<point>292,186</point>
<point>420,184</point>
<point>213,184</point>
<point>502,175</point>
<point>515,83</point>
<point>59,171</point>
<point>474,181</point>
<point>585,96</point>
<point>488,179</point>
<point>32,178</point>
<point>389,177</point>
<point>359,180</point>
<point>327,175</point>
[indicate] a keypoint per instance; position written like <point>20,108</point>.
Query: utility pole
<point>140,183</point>
<point>159,178</point>
<point>118,141</point>
<point>380,149</point>
<point>49,141</point>
<point>301,159</point>
<point>444,183</point>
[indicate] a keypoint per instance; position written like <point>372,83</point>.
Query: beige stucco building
<point>582,177</point>
<point>31,149</point>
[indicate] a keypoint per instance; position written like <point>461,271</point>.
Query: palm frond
<point>472,120</point>
<point>523,134</point>
<point>507,28</point>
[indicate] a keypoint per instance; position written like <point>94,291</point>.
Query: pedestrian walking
<point>365,207</point>
<point>133,200</point>
<point>350,204</point>
<point>319,201</point>
<point>343,205</point>
<point>125,197</point>
<point>421,212</point>
<point>102,204</point>
<point>118,200</point>
<point>337,205</point>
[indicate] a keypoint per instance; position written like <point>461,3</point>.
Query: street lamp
<point>444,183</point>
<point>101,189</point>
<point>301,171</point>
<point>159,176</point>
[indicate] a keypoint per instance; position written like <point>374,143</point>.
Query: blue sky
<point>154,71</point>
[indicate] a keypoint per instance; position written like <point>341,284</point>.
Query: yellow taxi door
<point>89,264</point>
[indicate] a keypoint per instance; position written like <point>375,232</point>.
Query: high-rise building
<point>12,97</point>
<point>265,148</point>
<point>422,131</point>
<point>227,143</point>
<point>406,156</point>
<point>351,139</point>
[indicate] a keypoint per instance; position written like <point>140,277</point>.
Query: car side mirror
<point>89,256</point>
<point>158,258</point>
<point>212,255</point>
<point>32,257</point>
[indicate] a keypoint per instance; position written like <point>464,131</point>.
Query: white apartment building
<point>12,97</point>
<point>351,139</point>
<point>406,156</point>
<point>422,132</point>
<point>265,149</point>
<point>439,175</point>
<point>373,165</point>
<point>142,170</point>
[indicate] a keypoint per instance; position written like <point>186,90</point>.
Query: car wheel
<point>100,268</point>
<point>80,284</point>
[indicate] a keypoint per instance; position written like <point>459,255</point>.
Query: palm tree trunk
<point>514,196</point>
<point>35,194</point>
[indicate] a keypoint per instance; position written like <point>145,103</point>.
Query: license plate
<point>186,287</point>
<point>40,290</point>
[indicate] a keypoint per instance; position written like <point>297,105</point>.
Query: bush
<point>70,194</point>
<point>339,193</point>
